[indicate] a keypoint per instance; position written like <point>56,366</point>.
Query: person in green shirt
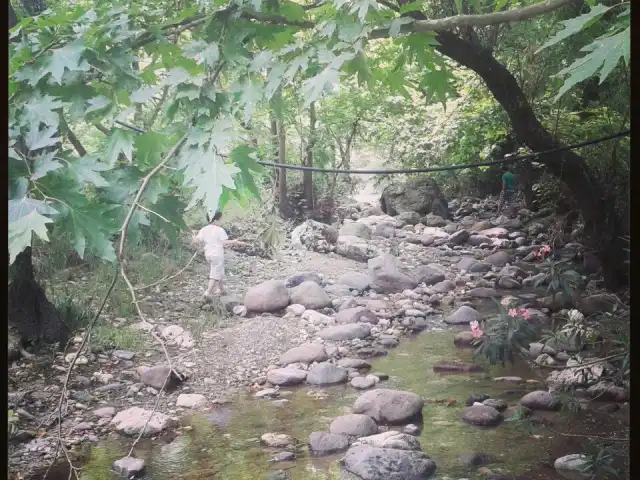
<point>507,196</point>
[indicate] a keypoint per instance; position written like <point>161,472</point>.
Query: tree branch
<point>449,23</point>
<point>72,137</point>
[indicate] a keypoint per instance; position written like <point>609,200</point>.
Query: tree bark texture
<point>307,177</point>
<point>603,226</point>
<point>29,310</point>
<point>283,201</point>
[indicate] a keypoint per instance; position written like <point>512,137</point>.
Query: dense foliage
<point>218,83</point>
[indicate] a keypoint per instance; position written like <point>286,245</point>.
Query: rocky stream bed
<point>346,357</point>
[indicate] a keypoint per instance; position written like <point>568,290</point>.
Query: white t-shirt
<point>213,237</point>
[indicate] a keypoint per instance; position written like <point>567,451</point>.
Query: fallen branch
<point>582,365</point>
<point>169,277</point>
<point>119,270</point>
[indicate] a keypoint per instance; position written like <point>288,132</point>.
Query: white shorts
<point>217,268</point>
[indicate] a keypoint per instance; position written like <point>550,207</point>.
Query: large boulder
<point>286,376</point>
<point>463,316</point>
<point>348,331</point>
<point>372,463</point>
<point>392,439</point>
<point>481,415</point>
<point>305,353</point>
<point>311,295</point>
<point>355,229</point>
<point>326,373</point>
<point>355,248</point>
<point>353,425</point>
<point>322,443</point>
<point>315,236</point>
<point>267,297</point>
<point>389,406</point>
<point>421,195</point>
<point>135,419</point>
<point>389,276</point>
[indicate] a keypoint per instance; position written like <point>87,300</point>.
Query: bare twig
<point>169,277</point>
<point>119,269</point>
<point>142,207</point>
<point>582,365</point>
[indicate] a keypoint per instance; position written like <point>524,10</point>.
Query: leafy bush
<point>506,335</point>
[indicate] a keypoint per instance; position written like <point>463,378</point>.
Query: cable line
<point>404,171</point>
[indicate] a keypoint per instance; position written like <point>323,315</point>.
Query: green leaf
<point>97,103</point>
<point>203,53</point>
<point>206,171</point>
<point>43,164</point>
<point>120,141</point>
<point>575,25</point>
<point>170,208</point>
<point>396,24</point>
<point>87,170</point>
<point>42,109</point>
<point>313,88</point>
<point>605,53</point>
<point>37,139</point>
<point>459,6</point>
<point>500,4</point>
<point>150,147</point>
<point>24,206</point>
<point>415,6</point>
<point>21,232</point>
<point>91,226</point>
<point>144,94</point>
<point>69,58</point>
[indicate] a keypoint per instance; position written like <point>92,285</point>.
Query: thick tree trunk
<point>603,227</point>
<point>13,18</point>
<point>274,151</point>
<point>29,310</point>
<point>307,177</point>
<point>283,201</point>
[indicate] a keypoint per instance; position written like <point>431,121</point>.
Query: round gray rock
<point>372,463</point>
<point>286,376</point>
<point>540,400</point>
<point>353,425</point>
<point>389,406</point>
<point>267,296</point>
<point>322,443</point>
<point>326,374</point>
<point>305,353</point>
<point>463,316</point>
<point>481,415</point>
<point>311,295</point>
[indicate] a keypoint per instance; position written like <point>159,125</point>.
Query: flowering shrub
<point>476,331</point>
<point>503,336</point>
<point>543,252</point>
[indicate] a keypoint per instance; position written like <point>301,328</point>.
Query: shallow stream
<point>224,442</point>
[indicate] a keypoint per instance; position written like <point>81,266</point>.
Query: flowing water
<point>224,443</point>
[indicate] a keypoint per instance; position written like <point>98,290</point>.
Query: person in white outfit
<point>213,239</point>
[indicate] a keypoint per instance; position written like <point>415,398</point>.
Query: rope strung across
<point>509,159</point>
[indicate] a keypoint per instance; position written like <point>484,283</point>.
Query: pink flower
<point>519,312</point>
<point>476,331</point>
<point>543,252</point>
